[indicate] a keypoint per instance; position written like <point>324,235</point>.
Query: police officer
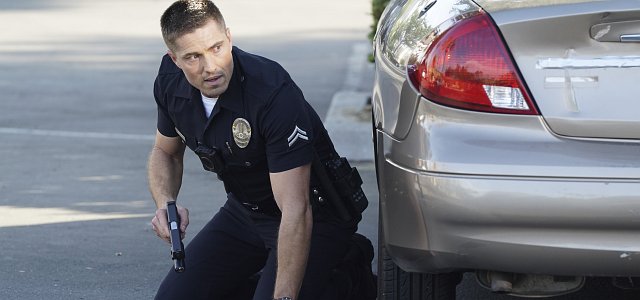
<point>247,121</point>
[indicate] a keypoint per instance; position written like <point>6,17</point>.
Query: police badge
<point>241,132</point>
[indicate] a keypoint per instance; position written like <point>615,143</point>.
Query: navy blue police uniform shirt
<point>285,129</point>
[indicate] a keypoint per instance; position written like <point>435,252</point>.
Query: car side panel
<point>454,141</point>
<point>511,224</point>
<point>488,191</point>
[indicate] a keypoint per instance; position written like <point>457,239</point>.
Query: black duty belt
<point>269,208</point>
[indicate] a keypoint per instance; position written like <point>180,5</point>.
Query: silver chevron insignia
<point>297,134</point>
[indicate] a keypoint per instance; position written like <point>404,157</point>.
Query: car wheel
<point>396,284</point>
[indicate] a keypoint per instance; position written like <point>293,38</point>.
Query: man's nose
<point>210,63</point>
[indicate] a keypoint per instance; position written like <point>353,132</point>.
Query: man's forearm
<point>165,176</point>
<point>294,239</point>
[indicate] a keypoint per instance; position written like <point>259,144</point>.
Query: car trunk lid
<point>580,60</point>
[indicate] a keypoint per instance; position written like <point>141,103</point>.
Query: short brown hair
<point>185,16</point>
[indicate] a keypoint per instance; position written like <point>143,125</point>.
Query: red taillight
<point>468,67</point>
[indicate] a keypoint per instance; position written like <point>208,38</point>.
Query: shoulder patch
<point>297,134</point>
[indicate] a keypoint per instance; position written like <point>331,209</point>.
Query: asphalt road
<point>77,119</point>
<point>76,124</point>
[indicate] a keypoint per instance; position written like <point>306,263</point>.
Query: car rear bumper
<point>434,222</point>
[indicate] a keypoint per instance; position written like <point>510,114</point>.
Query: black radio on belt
<point>342,185</point>
<point>211,158</point>
<point>348,183</point>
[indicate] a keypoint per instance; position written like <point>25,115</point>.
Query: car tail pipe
<point>529,285</point>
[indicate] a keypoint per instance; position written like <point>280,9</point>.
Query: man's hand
<point>165,178</point>
<point>161,226</point>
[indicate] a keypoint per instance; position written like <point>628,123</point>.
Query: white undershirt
<point>208,103</point>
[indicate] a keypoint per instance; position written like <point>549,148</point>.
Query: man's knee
<point>353,278</point>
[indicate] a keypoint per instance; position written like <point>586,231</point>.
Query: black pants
<point>238,243</point>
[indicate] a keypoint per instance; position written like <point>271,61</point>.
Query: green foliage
<point>377,7</point>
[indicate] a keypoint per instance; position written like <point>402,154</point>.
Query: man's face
<point>204,56</point>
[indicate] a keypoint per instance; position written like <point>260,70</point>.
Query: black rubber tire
<point>396,284</point>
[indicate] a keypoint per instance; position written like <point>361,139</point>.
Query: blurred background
<point>77,119</point>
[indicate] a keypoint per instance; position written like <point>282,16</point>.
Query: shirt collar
<point>232,99</point>
<point>183,88</point>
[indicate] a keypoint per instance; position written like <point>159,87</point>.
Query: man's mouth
<point>213,80</point>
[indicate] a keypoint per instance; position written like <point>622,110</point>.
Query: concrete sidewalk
<point>348,120</point>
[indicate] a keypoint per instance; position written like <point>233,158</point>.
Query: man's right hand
<point>161,226</point>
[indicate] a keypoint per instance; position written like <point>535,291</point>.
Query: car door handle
<point>630,38</point>
<point>621,32</point>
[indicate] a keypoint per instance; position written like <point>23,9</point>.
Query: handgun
<point>177,247</point>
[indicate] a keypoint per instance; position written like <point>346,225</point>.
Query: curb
<point>348,122</point>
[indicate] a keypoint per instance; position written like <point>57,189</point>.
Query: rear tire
<point>396,284</point>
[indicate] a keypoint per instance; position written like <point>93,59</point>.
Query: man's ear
<point>174,58</point>
<point>228,33</point>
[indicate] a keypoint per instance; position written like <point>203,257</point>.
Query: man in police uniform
<point>248,122</point>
